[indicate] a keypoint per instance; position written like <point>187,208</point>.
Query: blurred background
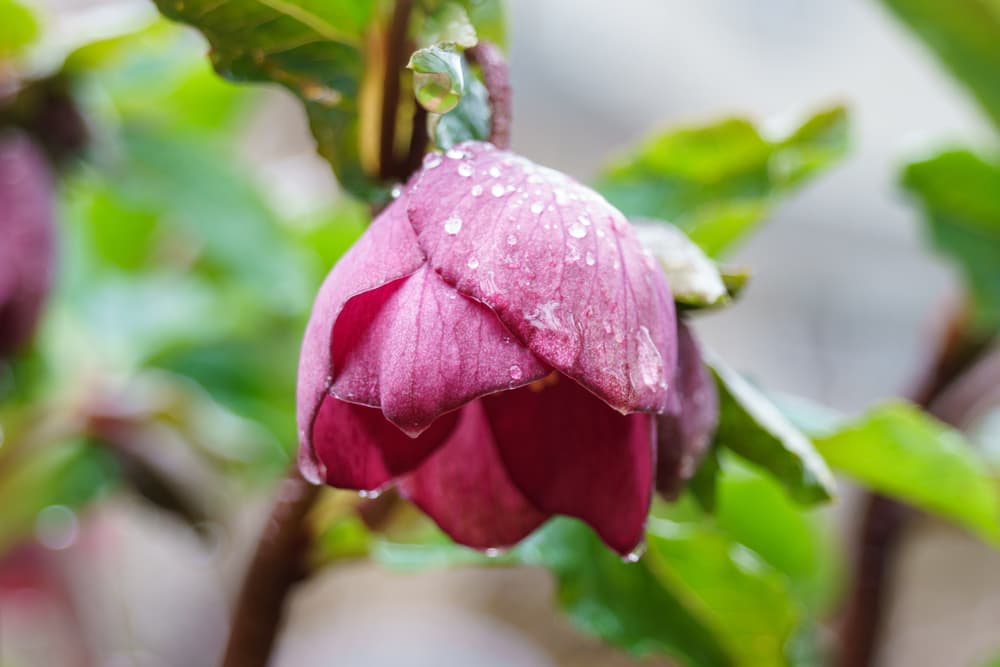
<point>840,309</point>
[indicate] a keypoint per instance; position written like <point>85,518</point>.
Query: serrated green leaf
<point>960,194</point>
<point>735,593</point>
<point>438,79</point>
<point>623,603</point>
<point>965,36</point>
<point>311,47</point>
<point>901,452</point>
<point>751,426</point>
<point>716,182</point>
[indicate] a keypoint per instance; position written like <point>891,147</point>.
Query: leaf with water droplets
<point>716,182</point>
<point>449,23</point>
<point>470,119</point>
<point>438,79</point>
<point>752,427</point>
<point>695,280</point>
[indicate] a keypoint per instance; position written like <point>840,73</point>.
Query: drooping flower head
<point>499,344</point>
<point>27,239</point>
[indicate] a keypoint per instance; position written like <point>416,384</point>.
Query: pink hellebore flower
<point>27,239</point>
<point>499,344</point>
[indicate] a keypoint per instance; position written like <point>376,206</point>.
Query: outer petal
<point>560,266</point>
<point>385,253</point>
<point>569,453</point>
<point>27,239</point>
<point>684,433</point>
<point>425,350</point>
<point>357,448</point>
<point>465,488</point>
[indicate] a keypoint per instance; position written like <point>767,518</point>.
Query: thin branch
<point>496,77</point>
<point>395,62</point>
<point>884,520</point>
<point>278,564</point>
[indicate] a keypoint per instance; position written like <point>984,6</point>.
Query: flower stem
<point>496,77</point>
<point>395,62</point>
<point>884,520</point>
<point>277,565</point>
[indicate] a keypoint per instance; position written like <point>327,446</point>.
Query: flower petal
<point>385,253</point>
<point>357,448</point>
<point>465,488</point>
<point>560,266</point>
<point>569,453</point>
<point>424,350</point>
<point>684,433</point>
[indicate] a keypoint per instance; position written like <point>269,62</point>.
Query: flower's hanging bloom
<point>499,344</point>
<point>685,431</point>
<point>27,239</point>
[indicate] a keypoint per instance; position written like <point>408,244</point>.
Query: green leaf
<point>470,120</point>
<point>899,451</point>
<point>438,81</point>
<point>623,603</point>
<point>449,23</point>
<point>695,280</point>
<point>716,182</point>
<point>960,194</point>
<point>735,593</point>
<point>18,28</point>
<point>965,35</point>
<point>753,510</point>
<point>752,427</point>
<point>485,15</point>
<point>314,48</point>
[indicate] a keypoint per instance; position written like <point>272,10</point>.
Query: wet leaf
<point>751,426</point>
<point>716,182</point>
<point>965,36</point>
<point>449,23</point>
<point>438,80</point>
<point>899,451</point>
<point>470,119</point>
<point>960,194</point>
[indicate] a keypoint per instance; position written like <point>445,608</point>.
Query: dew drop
<point>516,373</point>
<point>473,263</point>
<point>493,552</point>
<point>498,190</point>
<point>432,160</point>
<point>370,495</point>
<point>511,239</point>
<point>650,361</point>
<point>453,225</point>
<point>494,171</point>
<point>396,191</point>
<point>577,231</point>
<point>634,555</point>
<point>561,197</point>
<point>537,207</point>
<point>590,259</point>
<point>465,170</point>
<point>477,190</point>
<point>584,220</point>
<point>455,154</point>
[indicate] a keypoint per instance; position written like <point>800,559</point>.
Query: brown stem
<point>277,565</point>
<point>496,77</point>
<point>395,62</point>
<point>884,520</point>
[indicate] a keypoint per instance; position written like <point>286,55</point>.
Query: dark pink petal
<point>465,488</point>
<point>569,453</point>
<point>385,253</point>
<point>419,349</point>
<point>560,266</point>
<point>358,448</point>
<point>27,239</point>
<point>684,433</point>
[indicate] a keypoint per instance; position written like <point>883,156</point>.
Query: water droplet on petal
<point>650,361</point>
<point>396,191</point>
<point>453,225</point>
<point>473,263</point>
<point>584,220</point>
<point>511,239</point>
<point>465,170</point>
<point>370,495</point>
<point>577,231</point>
<point>432,160</point>
<point>455,153</point>
<point>477,190</point>
<point>493,552</point>
<point>516,373</point>
<point>498,190</point>
<point>494,171</point>
<point>590,259</point>
<point>537,207</point>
